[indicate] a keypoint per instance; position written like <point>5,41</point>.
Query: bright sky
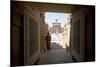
<point>50,17</point>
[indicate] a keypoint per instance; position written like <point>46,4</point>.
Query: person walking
<point>48,41</point>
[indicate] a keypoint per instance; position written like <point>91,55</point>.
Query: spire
<point>56,20</point>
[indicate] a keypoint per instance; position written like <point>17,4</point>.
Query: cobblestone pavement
<point>56,56</point>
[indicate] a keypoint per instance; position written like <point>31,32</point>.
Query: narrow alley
<point>69,35</point>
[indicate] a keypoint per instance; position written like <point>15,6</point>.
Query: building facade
<point>66,33</point>
<point>56,27</point>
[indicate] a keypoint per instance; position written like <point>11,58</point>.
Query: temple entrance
<point>56,41</point>
<point>59,29</point>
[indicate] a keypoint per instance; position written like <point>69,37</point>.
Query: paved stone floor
<point>55,46</point>
<point>56,56</point>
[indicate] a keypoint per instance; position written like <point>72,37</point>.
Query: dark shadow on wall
<point>84,47</point>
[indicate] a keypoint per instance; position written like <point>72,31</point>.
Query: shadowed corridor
<point>28,31</point>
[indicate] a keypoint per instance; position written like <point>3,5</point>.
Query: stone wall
<point>79,34</point>
<point>66,34</point>
<point>28,34</point>
<point>43,30</point>
<point>17,39</point>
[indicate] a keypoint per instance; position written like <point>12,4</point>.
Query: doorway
<point>59,29</point>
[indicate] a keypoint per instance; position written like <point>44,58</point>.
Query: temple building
<point>56,27</point>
